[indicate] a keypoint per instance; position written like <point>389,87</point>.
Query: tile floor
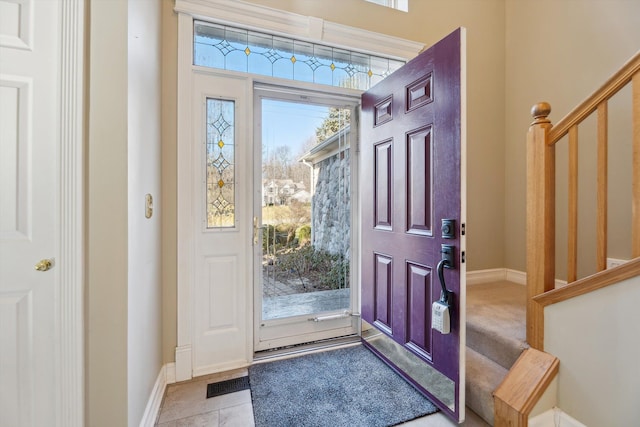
<point>185,405</point>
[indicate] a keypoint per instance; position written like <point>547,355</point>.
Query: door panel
<point>418,310</point>
<point>383,183</point>
<point>413,159</point>
<point>383,288</point>
<point>29,200</point>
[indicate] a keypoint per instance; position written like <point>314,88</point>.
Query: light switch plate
<point>148,203</point>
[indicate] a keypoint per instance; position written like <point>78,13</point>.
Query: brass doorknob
<point>44,265</point>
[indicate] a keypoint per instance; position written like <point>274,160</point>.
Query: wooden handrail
<point>589,105</point>
<point>523,387</point>
<point>589,284</point>
<point>541,142</point>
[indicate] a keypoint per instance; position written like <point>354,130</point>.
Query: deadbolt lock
<point>448,228</point>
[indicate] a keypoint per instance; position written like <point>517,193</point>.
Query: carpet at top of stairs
<point>344,387</point>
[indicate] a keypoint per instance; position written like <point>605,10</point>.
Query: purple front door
<point>412,139</point>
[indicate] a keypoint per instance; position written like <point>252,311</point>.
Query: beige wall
<point>427,23</point>
<point>169,199</point>
<point>123,305</point>
<point>107,222</point>
<point>560,52</point>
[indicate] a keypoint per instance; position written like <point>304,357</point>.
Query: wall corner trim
<point>183,368</point>
<point>70,357</point>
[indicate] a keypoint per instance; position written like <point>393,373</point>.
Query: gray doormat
<point>345,387</point>
<point>228,386</point>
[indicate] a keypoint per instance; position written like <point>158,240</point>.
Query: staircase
<point>503,317</point>
<point>496,332</point>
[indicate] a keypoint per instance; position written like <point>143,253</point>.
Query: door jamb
<point>69,352</point>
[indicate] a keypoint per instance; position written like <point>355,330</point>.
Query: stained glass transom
<point>228,48</point>
<point>220,146</point>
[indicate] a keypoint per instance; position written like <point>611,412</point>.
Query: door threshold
<point>307,348</point>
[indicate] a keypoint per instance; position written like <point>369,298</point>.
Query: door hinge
<point>463,257</point>
<point>463,229</point>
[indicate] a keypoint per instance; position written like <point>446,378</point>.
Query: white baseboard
<point>167,375</point>
<point>478,277</point>
<point>516,276</point>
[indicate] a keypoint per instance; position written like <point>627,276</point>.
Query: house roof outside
<point>329,146</point>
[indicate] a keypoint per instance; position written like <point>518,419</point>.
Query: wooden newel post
<point>540,220</point>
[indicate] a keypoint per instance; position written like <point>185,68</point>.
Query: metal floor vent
<point>228,386</point>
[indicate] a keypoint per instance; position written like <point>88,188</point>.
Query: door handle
<point>256,230</point>
<point>44,265</point>
<point>447,251</point>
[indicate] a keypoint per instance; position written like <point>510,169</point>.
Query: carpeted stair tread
<point>496,315</point>
<point>483,377</point>
<point>500,349</point>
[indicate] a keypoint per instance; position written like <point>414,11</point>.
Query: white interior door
<point>29,206</point>
<point>222,227</point>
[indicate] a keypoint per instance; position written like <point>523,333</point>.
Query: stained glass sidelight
<point>220,146</point>
<point>228,48</point>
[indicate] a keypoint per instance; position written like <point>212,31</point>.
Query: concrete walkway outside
<point>277,307</point>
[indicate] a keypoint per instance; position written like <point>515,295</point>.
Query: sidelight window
<point>220,163</point>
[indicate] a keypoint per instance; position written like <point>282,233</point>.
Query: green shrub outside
<point>303,234</point>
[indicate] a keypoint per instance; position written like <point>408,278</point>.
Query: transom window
<point>402,5</point>
<point>229,48</point>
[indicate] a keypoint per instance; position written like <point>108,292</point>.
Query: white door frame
<point>286,331</point>
<point>69,352</point>
<point>258,18</point>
